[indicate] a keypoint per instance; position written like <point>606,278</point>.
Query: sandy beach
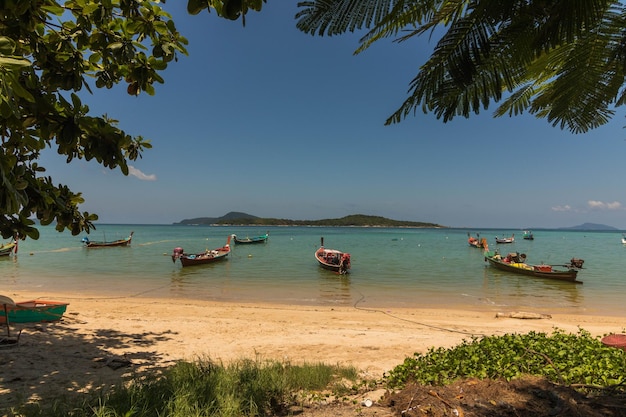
<point>100,342</point>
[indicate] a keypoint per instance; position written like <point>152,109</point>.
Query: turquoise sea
<point>390,268</point>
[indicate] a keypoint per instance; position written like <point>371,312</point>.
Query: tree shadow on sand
<point>54,361</point>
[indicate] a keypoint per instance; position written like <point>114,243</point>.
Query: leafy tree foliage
<point>562,60</point>
<point>49,51</point>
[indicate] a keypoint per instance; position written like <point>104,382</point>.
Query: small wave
<point>156,242</point>
<point>58,250</point>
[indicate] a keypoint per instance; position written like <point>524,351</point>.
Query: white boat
<point>505,239</point>
<point>624,239</point>
<point>333,259</point>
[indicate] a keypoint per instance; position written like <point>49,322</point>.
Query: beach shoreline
<point>100,342</point>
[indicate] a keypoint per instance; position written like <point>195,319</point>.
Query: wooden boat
<point>7,249</point>
<point>31,311</point>
<point>332,259</point>
<point>505,239</point>
<point>476,242</point>
<point>255,239</point>
<point>515,262</point>
<point>528,235</point>
<point>104,244</point>
<point>208,256</point>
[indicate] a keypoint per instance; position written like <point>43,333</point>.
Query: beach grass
<point>205,388</point>
<point>258,388</point>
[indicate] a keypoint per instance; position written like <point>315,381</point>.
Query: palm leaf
<point>563,60</point>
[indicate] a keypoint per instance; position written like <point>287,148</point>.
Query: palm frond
<point>564,60</point>
<point>587,84</point>
<point>333,17</point>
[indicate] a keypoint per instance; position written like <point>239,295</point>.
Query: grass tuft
<point>206,388</point>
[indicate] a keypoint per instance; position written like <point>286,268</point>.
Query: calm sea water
<point>390,268</point>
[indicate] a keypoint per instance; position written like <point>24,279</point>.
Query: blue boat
<point>31,311</point>
<point>255,239</point>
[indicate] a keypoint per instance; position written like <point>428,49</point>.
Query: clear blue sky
<point>276,123</point>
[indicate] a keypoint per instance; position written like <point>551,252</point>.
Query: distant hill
<point>589,226</point>
<point>233,215</point>
<point>354,220</point>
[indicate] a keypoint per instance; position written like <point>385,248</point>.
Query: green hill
<point>589,227</point>
<point>354,220</point>
<point>233,215</point>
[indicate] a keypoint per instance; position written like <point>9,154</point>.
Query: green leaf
<point>196,6</point>
<point>14,63</point>
<point>7,45</point>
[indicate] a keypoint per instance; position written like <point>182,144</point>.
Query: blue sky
<point>270,121</point>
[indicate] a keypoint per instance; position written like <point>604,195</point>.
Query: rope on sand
<point>444,329</point>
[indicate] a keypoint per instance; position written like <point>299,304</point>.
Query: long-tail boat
<point>107,244</point>
<point>10,248</point>
<point>515,262</point>
<point>254,239</point>
<point>333,259</point>
<point>31,311</point>
<point>208,256</point>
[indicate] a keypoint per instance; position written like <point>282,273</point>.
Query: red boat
<point>333,259</point>
<point>206,257</point>
<point>476,242</point>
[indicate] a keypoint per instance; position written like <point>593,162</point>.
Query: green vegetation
<point>205,388</point>
<point>354,220</point>
<point>566,359</point>
<point>256,389</point>
<point>50,51</point>
<point>561,60</point>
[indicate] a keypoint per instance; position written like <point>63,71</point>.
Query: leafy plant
<point>561,357</point>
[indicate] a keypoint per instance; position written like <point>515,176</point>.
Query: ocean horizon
<point>391,267</point>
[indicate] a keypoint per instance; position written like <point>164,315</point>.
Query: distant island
<point>589,226</point>
<point>355,220</point>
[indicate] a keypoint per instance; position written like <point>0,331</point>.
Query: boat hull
<point>202,259</point>
<point>536,271</point>
<point>334,268</point>
<point>8,249</point>
<point>505,240</point>
<point>114,243</point>
<point>251,240</point>
<point>33,311</point>
<point>476,242</point>
<point>331,259</point>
